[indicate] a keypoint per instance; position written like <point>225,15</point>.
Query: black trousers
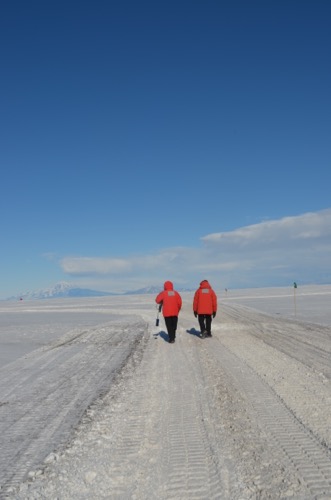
<point>205,323</point>
<point>171,324</point>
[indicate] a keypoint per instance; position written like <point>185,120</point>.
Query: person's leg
<point>202,324</point>
<point>168,323</point>
<point>208,324</point>
<point>171,322</point>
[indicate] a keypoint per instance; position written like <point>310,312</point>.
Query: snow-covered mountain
<point>64,289</point>
<point>60,290</point>
<point>145,290</point>
<point>154,289</point>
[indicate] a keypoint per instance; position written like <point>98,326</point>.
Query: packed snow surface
<point>95,403</point>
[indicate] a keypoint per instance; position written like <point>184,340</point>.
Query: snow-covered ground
<point>310,303</point>
<point>94,403</point>
<point>28,325</point>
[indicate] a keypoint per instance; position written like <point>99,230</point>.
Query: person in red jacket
<point>171,305</point>
<point>205,307</point>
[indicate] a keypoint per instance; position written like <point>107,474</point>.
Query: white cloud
<point>270,253</point>
<point>279,232</point>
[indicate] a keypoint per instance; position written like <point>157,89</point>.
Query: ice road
<point>94,403</point>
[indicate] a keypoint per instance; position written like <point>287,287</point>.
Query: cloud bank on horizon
<point>271,253</point>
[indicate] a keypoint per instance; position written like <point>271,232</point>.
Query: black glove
<point>214,314</point>
<point>195,314</point>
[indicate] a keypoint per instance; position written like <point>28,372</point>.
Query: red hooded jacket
<point>171,300</point>
<point>205,299</point>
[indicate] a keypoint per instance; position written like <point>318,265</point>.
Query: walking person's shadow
<point>194,332</point>
<point>163,335</point>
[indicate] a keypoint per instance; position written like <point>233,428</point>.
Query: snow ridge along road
<point>44,395</point>
<point>245,414</point>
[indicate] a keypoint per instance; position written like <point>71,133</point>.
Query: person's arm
<point>214,297</point>
<point>195,303</point>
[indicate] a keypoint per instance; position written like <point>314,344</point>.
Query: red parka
<point>171,300</point>
<point>205,299</point>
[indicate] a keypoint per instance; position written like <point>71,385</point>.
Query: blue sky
<point>145,141</point>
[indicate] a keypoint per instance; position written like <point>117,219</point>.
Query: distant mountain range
<point>64,289</point>
<point>60,290</point>
<point>142,291</point>
<point>154,289</point>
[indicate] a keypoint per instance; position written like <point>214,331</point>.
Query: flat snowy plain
<point>94,403</point>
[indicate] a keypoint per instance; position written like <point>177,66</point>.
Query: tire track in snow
<point>49,392</point>
<point>194,469</point>
<point>181,423</point>
<point>152,441</point>
<point>304,452</point>
<point>294,376</point>
<point>161,448</point>
<point>305,342</point>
